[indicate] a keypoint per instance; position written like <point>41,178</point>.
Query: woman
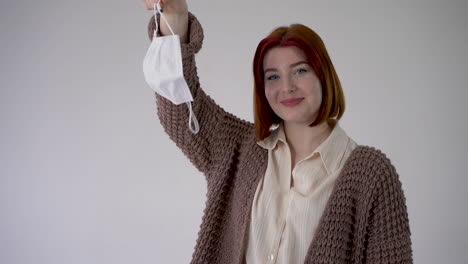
<point>293,187</point>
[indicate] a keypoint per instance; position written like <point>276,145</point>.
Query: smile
<point>292,102</point>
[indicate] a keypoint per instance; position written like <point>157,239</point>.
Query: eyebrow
<point>292,65</point>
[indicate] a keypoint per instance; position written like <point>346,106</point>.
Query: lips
<point>292,102</point>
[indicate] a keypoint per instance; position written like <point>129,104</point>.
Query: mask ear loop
<point>156,22</point>
<point>157,6</point>
<point>192,118</point>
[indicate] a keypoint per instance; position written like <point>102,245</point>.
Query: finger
<point>144,4</point>
<point>161,4</point>
<point>148,4</point>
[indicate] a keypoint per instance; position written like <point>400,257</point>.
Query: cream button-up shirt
<point>284,217</point>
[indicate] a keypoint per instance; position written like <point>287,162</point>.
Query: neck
<point>303,139</point>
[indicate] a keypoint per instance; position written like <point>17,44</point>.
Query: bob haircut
<point>333,103</point>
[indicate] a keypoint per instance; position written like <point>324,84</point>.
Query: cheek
<point>269,94</point>
<point>316,98</point>
<point>315,90</point>
<point>318,94</point>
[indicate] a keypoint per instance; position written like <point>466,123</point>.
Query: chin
<point>302,121</point>
<point>299,119</point>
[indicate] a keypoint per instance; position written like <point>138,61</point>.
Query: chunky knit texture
<point>365,220</point>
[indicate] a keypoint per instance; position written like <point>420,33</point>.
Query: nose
<point>288,85</point>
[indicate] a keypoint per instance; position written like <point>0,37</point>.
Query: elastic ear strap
<point>156,6</point>
<point>155,21</point>
<point>192,120</point>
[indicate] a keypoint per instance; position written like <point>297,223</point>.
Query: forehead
<point>283,56</point>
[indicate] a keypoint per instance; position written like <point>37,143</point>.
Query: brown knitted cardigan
<point>365,220</point>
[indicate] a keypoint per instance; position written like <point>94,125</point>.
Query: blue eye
<point>301,70</point>
<point>272,77</point>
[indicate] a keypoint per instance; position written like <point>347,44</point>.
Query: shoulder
<point>371,166</point>
<point>368,155</point>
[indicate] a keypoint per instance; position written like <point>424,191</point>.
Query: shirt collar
<point>331,150</point>
<point>271,141</point>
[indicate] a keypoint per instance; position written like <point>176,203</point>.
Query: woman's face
<point>291,86</point>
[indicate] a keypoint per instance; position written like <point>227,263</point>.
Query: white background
<point>87,174</point>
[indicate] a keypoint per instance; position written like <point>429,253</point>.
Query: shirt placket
<point>284,191</point>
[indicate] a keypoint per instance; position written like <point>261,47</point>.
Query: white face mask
<point>162,67</point>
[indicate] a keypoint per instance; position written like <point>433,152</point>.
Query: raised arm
<point>219,131</point>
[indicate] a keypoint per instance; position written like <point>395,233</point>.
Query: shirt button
<point>271,257</point>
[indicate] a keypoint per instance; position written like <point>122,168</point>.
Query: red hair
<point>333,104</point>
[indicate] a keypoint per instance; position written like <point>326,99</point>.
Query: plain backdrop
<point>87,174</point>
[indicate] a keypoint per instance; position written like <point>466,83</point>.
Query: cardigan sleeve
<point>218,129</point>
<point>388,231</point>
